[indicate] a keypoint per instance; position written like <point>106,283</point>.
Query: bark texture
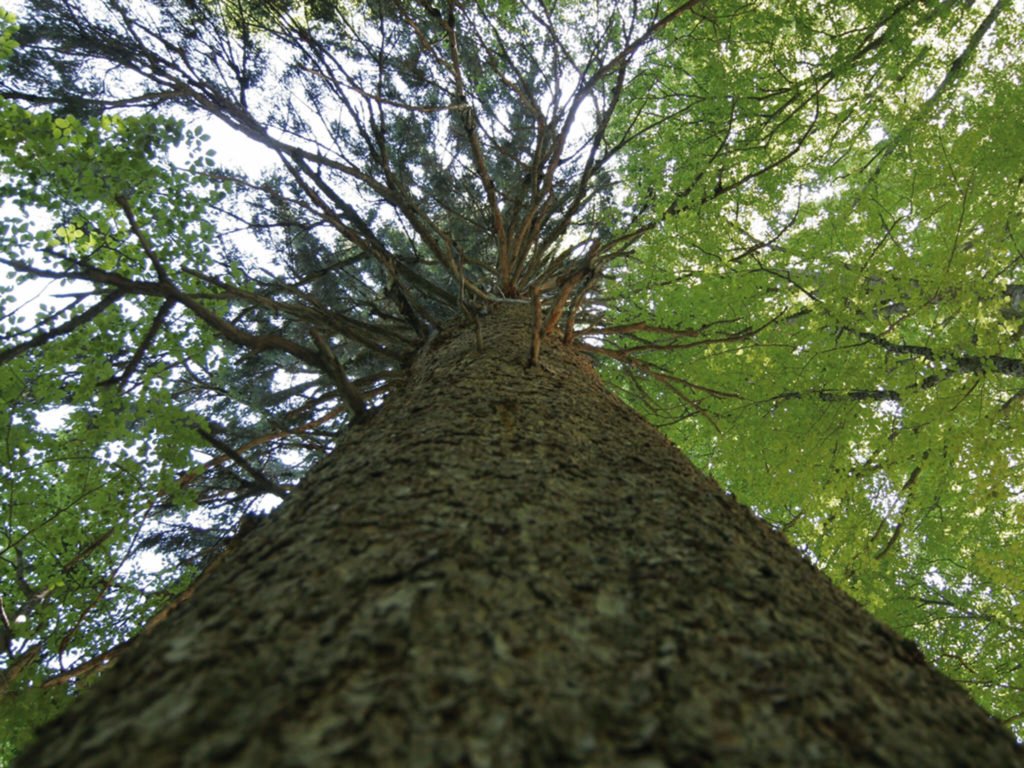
<point>507,567</point>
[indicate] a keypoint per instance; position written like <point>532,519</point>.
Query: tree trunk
<point>507,567</point>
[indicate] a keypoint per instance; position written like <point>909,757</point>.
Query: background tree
<point>786,215</point>
<point>892,382</point>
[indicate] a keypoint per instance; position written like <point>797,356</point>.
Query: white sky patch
<point>238,152</point>
<point>935,580</point>
<point>53,419</point>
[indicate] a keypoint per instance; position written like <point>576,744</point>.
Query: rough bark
<point>507,567</point>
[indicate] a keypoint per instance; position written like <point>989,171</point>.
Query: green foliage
<point>866,302</point>
<point>90,459</point>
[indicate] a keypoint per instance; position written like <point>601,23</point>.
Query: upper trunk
<point>507,567</point>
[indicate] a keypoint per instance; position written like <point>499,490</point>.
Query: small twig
<point>555,313</point>
<point>892,540</point>
<point>190,477</point>
<point>151,334</point>
<point>577,303</point>
<point>77,321</point>
<point>350,393</point>
<point>18,665</point>
<point>264,482</point>
<point>8,631</point>
<point>85,668</point>
<point>143,238</point>
<point>538,321</point>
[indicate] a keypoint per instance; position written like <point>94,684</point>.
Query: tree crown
<point>799,216</point>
